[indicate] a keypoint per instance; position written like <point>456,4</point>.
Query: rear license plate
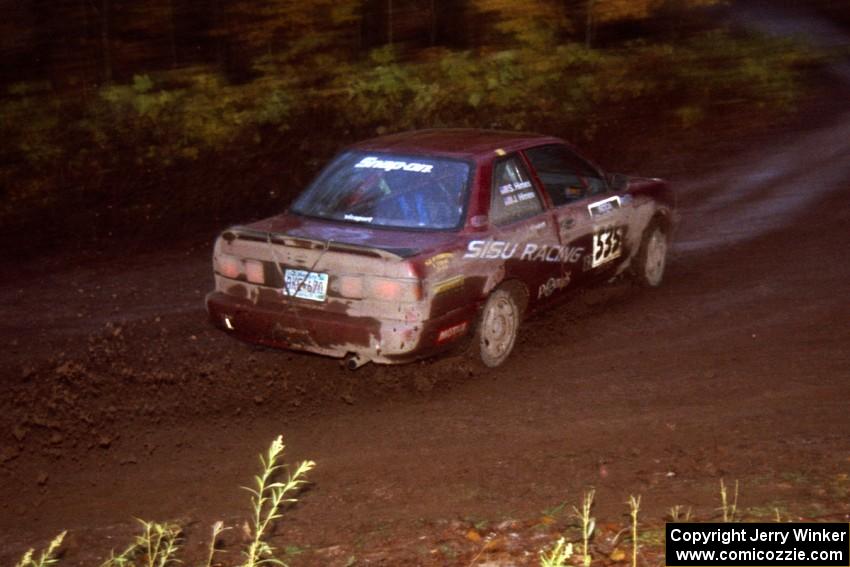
<point>305,285</point>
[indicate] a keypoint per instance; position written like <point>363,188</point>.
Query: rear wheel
<point>652,257</point>
<point>497,330</point>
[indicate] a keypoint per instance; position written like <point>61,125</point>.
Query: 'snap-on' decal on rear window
<point>389,165</point>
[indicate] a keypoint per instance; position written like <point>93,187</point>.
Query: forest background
<point>126,122</point>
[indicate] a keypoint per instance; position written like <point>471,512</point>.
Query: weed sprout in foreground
<point>158,544</point>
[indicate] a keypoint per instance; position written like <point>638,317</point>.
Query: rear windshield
<point>389,190</point>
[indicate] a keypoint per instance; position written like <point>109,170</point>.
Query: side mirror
<point>618,181</point>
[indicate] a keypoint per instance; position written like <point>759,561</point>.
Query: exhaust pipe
<point>355,361</point>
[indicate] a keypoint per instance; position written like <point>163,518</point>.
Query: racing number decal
<point>607,245</point>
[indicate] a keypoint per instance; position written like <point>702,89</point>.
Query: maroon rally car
<point>412,243</point>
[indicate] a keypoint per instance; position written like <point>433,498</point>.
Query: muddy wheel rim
<point>656,257</point>
<point>499,328</point>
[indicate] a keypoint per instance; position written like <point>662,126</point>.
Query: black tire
<point>498,328</point>
<point>651,259</point>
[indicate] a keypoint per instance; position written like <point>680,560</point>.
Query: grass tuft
<point>634,508</point>
<point>588,524</point>
<point>728,508</point>
<point>677,516</point>
<point>156,546</point>
<point>47,557</point>
<point>217,529</point>
<point>268,499</point>
<point>558,555</point>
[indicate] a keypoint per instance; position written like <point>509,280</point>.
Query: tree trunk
<point>390,22</point>
<point>217,22</point>
<point>589,25</point>
<point>172,33</point>
<point>105,48</point>
<point>432,32</point>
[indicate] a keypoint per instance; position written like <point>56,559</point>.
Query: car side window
<point>565,176</point>
<point>512,197</point>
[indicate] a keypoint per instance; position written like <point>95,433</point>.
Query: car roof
<point>455,142</point>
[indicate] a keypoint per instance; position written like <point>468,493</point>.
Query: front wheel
<point>498,328</point>
<point>652,257</point>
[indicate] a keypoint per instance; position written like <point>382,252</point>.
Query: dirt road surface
<point>120,401</point>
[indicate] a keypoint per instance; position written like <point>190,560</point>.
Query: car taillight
<point>254,271</point>
<point>386,289</point>
<point>229,266</point>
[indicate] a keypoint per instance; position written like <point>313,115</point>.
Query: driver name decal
<point>513,193</point>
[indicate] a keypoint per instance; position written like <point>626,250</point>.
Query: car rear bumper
<point>336,334</point>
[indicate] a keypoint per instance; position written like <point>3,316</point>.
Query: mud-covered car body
<point>393,251</point>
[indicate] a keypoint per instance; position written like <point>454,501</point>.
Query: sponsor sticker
<point>440,262</point>
<point>452,332</point>
<point>372,162</point>
<point>552,285</point>
<point>448,285</point>
<point>357,218</point>
<point>604,206</point>
<point>529,251</point>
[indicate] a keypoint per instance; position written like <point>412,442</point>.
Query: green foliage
<point>190,113</point>
<point>566,85</point>
<point>378,90</point>
<point>31,117</point>
<point>274,108</point>
<point>162,124</point>
<point>74,152</point>
<point>512,89</point>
